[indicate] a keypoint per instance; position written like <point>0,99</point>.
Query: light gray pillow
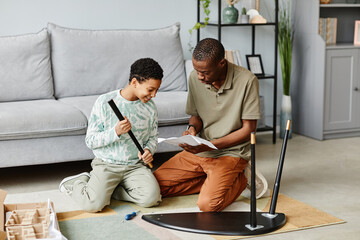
<point>90,62</point>
<point>25,69</point>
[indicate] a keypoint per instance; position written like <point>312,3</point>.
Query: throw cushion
<point>93,62</point>
<point>25,69</point>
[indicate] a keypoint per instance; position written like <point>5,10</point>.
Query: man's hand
<point>190,131</point>
<point>123,126</point>
<point>196,149</point>
<point>147,157</point>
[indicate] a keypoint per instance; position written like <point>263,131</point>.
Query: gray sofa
<point>50,80</point>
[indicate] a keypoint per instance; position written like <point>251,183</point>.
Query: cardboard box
<point>4,208</point>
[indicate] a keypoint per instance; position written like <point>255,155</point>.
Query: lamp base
<point>219,223</point>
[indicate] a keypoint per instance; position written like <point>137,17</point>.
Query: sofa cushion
<point>171,108</point>
<point>25,69</point>
<point>93,62</point>
<point>83,103</point>
<point>170,105</point>
<point>40,118</point>
<point>188,68</point>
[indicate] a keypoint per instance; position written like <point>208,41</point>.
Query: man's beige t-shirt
<point>222,110</point>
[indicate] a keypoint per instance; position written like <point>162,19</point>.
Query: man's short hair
<point>144,69</point>
<point>209,49</point>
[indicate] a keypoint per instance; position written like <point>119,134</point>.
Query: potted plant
<point>244,17</point>
<point>205,5</point>
<point>285,39</point>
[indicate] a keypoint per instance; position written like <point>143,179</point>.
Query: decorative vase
<point>285,115</point>
<point>230,14</point>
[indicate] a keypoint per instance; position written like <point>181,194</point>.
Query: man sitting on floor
<point>224,105</point>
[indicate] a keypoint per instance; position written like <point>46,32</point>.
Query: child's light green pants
<point>132,183</point>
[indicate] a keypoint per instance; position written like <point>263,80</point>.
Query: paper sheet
<point>188,139</point>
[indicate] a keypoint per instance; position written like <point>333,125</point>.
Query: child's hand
<point>147,157</point>
<point>123,126</point>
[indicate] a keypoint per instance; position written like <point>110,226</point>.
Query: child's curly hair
<point>144,69</point>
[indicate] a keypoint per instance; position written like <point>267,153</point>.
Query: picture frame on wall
<point>357,33</point>
<point>255,64</point>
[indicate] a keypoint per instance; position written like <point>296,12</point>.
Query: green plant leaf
<point>285,38</point>
<point>205,5</point>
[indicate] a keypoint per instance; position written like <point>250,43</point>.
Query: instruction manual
<point>188,139</point>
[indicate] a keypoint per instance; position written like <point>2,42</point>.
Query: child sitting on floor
<point>118,169</point>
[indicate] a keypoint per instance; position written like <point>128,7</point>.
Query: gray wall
<point>27,16</point>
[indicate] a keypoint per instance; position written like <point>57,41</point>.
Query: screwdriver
<point>121,117</point>
<point>130,216</point>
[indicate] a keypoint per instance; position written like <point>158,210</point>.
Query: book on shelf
<point>331,27</point>
<point>322,28</point>
<point>328,29</point>
<point>233,56</point>
<point>238,57</point>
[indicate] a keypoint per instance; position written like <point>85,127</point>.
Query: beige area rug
<point>299,216</point>
<point>74,223</point>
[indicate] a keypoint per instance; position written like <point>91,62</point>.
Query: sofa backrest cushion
<point>25,68</point>
<point>90,62</point>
